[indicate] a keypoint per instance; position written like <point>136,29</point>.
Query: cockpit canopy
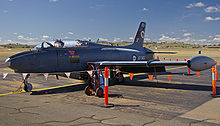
<point>61,44</point>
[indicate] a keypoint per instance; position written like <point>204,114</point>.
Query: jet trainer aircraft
<point>61,57</point>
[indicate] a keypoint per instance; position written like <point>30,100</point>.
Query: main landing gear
<point>119,77</point>
<point>27,86</point>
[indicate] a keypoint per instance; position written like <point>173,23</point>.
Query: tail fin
<point>139,38</point>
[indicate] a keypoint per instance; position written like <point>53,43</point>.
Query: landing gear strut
<point>119,77</point>
<point>27,86</point>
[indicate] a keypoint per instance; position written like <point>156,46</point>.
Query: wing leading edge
<point>142,63</point>
<point>195,63</point>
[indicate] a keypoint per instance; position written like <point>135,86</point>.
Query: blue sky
<point>33,21</point>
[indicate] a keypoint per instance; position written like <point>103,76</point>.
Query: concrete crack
<point>21,110</point>
<point>85,117</point>
<point>64,121</point>
<point>155,119</point>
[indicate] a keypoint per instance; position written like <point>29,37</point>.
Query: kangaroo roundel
<point>142,34</point>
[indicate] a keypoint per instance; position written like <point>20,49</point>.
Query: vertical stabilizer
<point>139,38</point>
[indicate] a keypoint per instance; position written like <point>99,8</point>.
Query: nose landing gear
<point>27,86</point>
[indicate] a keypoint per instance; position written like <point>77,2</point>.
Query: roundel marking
<point>134,58</point>
<point>142,34</point>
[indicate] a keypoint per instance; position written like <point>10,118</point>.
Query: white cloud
<point>15,33</point>
<point>187,34</point>
<point>216,39</point>
<point>45,37</point>
<point>199,4</point>
<point>189,6</point>
<point>131,38</point>
<point>166,38</point>
<point>183,30</point>
<point>212,9</point>
<point>9,41</point>
<point>217,36</point>
<point>20,37</point>
<point>30,39</point>
<point>103,39</point>
<point>70,33</point>
<point>116,39</point>
<point>145,9</point>
<point>97,6</point>
<point>212,19</point>
<point>202,40</point>
<point>87,38</point>
<point>147,39</point>
<point>53,0</point>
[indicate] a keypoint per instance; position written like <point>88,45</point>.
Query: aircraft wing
<point>142,63</point>
<point>195,63</point>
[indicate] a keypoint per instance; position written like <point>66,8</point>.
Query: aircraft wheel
<point>99,92</point>
<point>28,87</point>
<point>87,91</point>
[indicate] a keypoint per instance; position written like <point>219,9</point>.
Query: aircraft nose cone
<point>8,62</point>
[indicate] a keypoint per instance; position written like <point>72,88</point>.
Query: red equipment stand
<point>94,81</point>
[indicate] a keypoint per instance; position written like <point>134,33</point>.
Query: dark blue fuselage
<point>52,60</point>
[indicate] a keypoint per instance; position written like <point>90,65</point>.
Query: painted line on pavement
<point>41,89</point>
<point>176,68</point>
<point>58,87</point>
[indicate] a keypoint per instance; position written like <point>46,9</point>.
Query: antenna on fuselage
<point>97,40</point>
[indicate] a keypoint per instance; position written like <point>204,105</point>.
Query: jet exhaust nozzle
<point>199,63</point>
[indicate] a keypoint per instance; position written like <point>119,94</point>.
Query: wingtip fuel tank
<point>199,63</point>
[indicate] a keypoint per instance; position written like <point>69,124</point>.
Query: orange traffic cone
<point>169,77</point>
<point>131,75</point>
<point>198,74</point>
<point>150,77</point>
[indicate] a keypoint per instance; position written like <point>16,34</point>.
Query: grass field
<point>5,52</point>
<point>187,53</point>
